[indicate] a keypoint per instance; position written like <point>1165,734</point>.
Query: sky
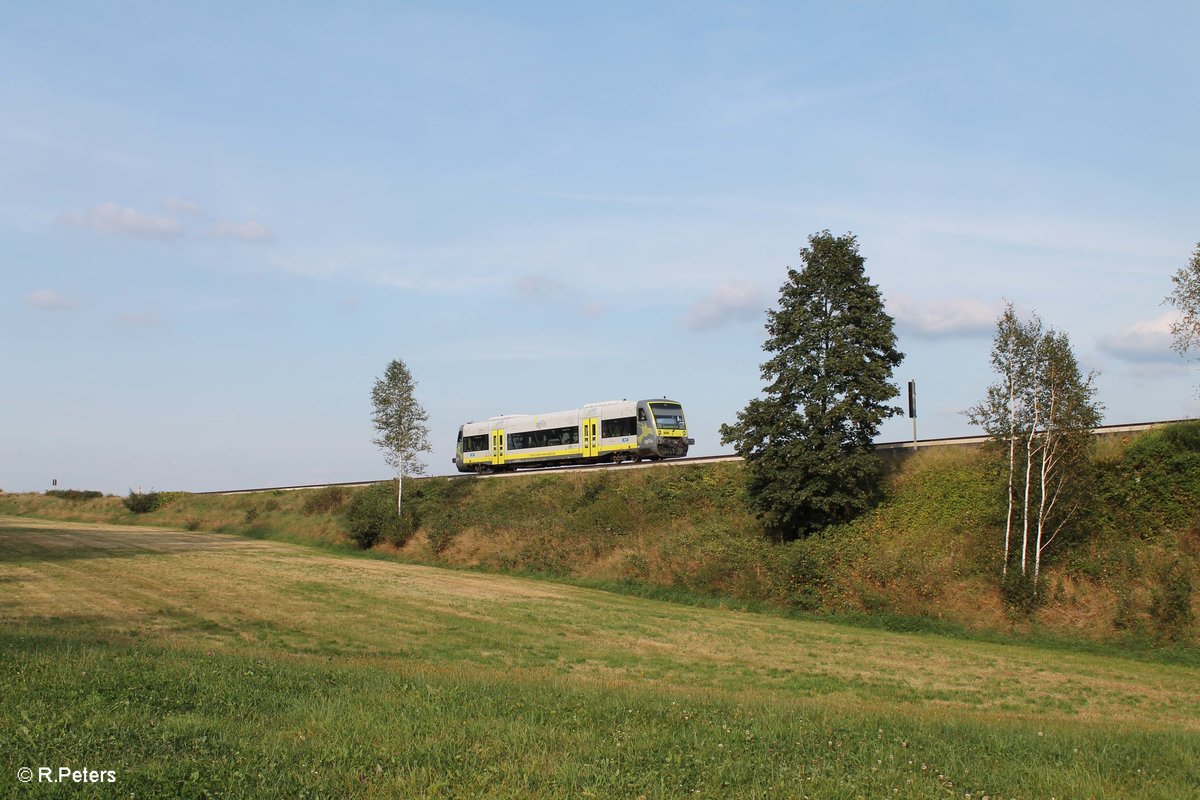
<point>219,222</point>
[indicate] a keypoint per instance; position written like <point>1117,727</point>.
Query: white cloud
<point>1143,342</point>
<point>181,206</point>
<point>729,302</point>
<point>115,219</point>
<point>253,232</point>
<point>48,300</point>
<point>937,319</point>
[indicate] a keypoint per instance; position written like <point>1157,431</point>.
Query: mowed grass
<point>205,665</point>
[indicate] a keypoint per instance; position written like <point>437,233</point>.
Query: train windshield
<point>668,416</point>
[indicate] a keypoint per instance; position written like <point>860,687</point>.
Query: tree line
<point>831,346</point>
<point>828,386</point>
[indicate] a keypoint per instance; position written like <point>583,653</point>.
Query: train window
<point>668,415</point>
<point>474,443</point>
<point>625,426</point>
<point>547,437</point>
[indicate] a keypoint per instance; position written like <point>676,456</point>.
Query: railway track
<point>952,441</point>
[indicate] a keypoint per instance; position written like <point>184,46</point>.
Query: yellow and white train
<point>617,430</point>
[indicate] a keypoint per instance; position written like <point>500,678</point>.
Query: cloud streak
<point>110,218</point>
<point>181,206</point>
<point>943,319</point>
<point>1144,342</point>
<point>48,300</point>
<point>734,301</point>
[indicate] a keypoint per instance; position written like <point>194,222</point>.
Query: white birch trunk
<point>1047,466</point>
<point>1028,479</point>
<point>1012,458</point>
<point>399,482</point>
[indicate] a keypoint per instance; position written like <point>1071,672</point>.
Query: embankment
<point>929,554</point>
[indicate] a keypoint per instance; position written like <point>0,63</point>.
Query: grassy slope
<point>929,552</point>
<point>201,665</point>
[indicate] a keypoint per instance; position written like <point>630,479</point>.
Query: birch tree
<point>1039,413</point>
<point>400,422</point>
<point>1185,296</point>
<point>1003,412</point>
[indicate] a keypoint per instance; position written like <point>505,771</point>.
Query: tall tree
<point>1040,413</point>
<point>400,422</point>
<point>807,443</point>
<point>1185,296</point>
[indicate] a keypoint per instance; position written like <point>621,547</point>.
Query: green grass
<point>199,665</point>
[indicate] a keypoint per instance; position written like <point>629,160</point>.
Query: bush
<point>1156,487</point>
<point>145,502</point>
<point>74,494</point>
<point>1020,593</point>
<point>328,500</point>
<point>142,502</point>
<point>371,516</point>
<point>1171,606</point>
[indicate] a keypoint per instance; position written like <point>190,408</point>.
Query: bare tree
<point>400,422</point>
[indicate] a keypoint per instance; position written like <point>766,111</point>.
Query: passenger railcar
<point>617,430</point>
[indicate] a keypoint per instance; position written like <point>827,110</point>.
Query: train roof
<point>599,404</point>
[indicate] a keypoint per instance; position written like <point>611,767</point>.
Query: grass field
<point>207,665</point>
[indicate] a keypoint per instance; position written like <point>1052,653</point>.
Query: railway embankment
<point>928,555</point>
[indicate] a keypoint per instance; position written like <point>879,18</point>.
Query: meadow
<point>198,664</point>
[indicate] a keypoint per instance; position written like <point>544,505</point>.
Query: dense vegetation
<point>927,555</point>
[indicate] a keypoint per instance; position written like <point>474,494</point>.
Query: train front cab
<point>662,429</point>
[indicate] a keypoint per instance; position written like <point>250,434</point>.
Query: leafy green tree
<point>1040,413</point>
<point>808,442</point>
<point>400,422</point>
<point>1185,296</point>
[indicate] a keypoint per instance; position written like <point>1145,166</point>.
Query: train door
<point>497,448</point>
<point>591,437</point>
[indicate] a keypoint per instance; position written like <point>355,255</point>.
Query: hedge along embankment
<point>931,549</point>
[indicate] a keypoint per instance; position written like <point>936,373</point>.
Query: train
<point>611,431</point>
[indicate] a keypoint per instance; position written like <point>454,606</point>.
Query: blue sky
<point>218,225</point>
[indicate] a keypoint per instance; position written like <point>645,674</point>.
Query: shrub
<point>441,534</point>
<point>1157,485</point>
<point>1172,599</point>
<point>145,502</point>
<point>142,502</point>
<point>371,516</point>
<point>1020,593</point>
<point>74,494</point>
<point>328,500</point>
